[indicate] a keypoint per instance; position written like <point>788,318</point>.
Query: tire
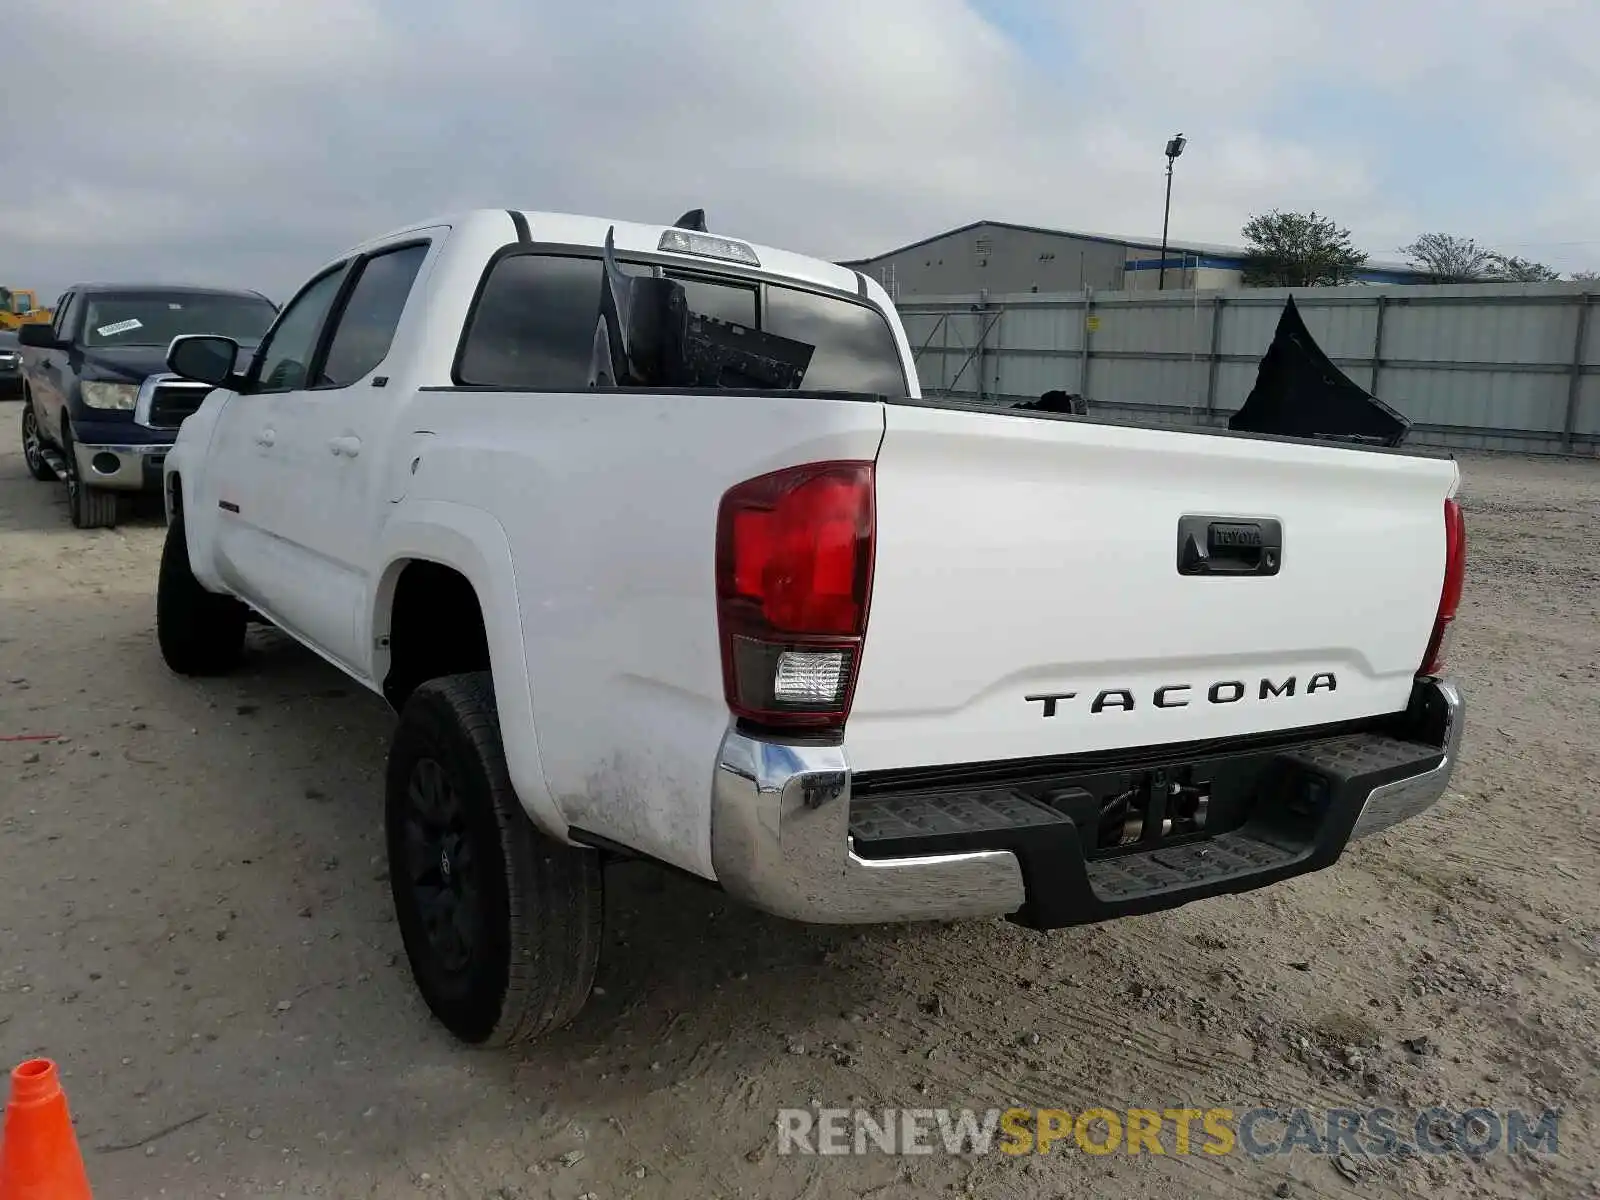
<point>90,507</point>
<point>33,446</point>
<point>200,632</point>
<point>501,924</point>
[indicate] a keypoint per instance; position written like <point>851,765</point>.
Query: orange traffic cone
<point>39,1157</point>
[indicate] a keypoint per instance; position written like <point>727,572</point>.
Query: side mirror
<point>205,358</point>
<point>39,336</point>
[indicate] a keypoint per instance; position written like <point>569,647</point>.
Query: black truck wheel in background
<point>501,924</point>
<point>33,446</point>
<point>91,507</point>
<point>201,633</point>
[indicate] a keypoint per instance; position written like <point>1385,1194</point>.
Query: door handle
<point>347,445</point>
<point>1229,546</point>
<point>266,437</point>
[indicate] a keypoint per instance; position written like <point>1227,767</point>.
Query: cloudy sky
<point>246,141</point>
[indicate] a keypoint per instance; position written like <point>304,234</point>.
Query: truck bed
<point>1026,569</point>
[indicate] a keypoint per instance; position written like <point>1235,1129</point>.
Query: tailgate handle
<point>1229,545</point>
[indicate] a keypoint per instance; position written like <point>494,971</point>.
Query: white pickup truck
<point>652,542</point>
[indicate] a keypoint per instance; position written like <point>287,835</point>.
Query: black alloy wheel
<point>501,924</point>
<point>441,868</point>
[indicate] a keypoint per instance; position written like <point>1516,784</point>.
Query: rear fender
<point>473,542</point>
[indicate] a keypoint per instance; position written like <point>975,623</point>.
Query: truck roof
<point>576,230</point>
<point>182,289</point>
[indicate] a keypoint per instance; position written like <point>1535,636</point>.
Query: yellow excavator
<point>19,306</point>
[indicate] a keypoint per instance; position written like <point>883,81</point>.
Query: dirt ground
<point>195,922</point>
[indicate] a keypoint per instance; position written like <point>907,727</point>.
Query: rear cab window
<point>533,326</point>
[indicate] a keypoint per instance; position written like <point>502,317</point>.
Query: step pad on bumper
<point>899,825</point>
<point>1362,754</point>
<point>1224,856</point>
<point>1285,811</point>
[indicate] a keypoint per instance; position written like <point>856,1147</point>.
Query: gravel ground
<point>195,922</point>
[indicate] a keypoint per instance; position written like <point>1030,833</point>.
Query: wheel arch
<point>436,627</point>
<point>435,542</point>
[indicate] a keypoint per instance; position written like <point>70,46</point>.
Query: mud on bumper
<point>795,834</point>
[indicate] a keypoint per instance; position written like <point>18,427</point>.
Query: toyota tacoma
<point>654,546</point>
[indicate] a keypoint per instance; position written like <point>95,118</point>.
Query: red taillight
<point>1455,573</point>
<point>794,576</point>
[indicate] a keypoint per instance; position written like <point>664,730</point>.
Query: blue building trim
<point>1178,264</point>
<point>1375,275</point>
<point>1381,276</point>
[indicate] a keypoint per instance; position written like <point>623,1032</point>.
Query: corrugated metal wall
<point>1512,367</point>
<point>1002,259</point>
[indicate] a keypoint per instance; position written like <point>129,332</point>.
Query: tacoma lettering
<point>1049,700</point>
<point>1176,695</point>
<point>1103,701</point>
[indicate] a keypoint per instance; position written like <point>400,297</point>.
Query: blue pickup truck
<point>100,410</point>
<point>10,365</point>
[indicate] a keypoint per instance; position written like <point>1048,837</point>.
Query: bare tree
<point>1511,269</point>
<point>1449,259</point>
<point>1586,276</point>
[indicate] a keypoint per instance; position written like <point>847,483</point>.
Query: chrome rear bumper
<point>781,841</point>
<point>1403,799</point>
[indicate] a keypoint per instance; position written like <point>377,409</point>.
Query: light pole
<point>1174,148</point>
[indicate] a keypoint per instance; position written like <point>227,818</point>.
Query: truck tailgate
<point>1027,597</point>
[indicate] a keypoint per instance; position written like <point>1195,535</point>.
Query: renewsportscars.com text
<point>1257,1132</point>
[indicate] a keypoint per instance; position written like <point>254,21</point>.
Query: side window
<point>534,324</point>
<point>285,356</point>
<point>63,314</point>
<point>366,327</point>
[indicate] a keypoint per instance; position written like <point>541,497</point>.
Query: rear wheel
<point>501,924</point>
<point>33,446</point>
<point>201,632</point>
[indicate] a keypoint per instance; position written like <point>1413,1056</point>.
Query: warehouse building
<point>1002,258</point>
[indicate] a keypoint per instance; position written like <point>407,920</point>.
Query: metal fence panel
<point>1486,366</point>
<point>1043,329</point>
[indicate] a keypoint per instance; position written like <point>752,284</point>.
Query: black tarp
<point>1300,393</point>
<point>1057,402</point>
